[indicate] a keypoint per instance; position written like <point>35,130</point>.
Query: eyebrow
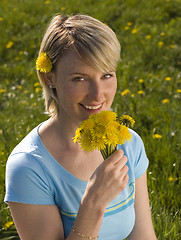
<point>78,73</point>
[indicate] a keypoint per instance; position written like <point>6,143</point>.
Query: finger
<point>116,156</point>
<point>121,162</point>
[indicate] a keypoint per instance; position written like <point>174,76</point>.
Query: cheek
<point>113,88</point>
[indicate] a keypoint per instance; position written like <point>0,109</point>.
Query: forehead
<point>72,62</point>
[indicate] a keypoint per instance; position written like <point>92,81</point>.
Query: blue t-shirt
<point>33,176</point>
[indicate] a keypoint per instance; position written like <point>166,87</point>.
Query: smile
<point>93,107</point>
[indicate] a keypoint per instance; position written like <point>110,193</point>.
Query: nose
<point>96,91</point>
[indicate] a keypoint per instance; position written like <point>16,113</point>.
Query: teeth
<point>93,107</point>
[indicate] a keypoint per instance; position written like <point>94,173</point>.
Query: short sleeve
<point>26,181</point>
<point>141,161</point>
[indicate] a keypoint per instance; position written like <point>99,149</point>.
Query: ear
<point>50,79</point>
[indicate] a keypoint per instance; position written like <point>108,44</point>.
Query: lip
<point>92,110</point>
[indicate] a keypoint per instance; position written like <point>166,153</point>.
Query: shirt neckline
<point>66,174</point>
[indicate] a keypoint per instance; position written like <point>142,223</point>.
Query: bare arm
<point>143,229</point>
<point>43,222</point>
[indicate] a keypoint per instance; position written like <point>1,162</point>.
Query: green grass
<point>149,32</point>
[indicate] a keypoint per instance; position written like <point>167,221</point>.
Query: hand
<point>108,180</point>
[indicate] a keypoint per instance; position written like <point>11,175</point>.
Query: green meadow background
<point>149,88</point>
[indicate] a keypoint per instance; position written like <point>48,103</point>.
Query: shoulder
<point>136,142</point>
<point>135,151</point>
<point>23,157</point>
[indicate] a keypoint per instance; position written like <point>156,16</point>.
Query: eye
<point>78,79</point>
<point>107,75</point>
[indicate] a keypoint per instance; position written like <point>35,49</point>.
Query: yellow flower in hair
<point>43,63</point>
<point>102,132</point>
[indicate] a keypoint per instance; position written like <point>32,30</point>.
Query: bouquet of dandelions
<point>103,132</point>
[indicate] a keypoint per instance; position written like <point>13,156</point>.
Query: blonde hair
<point>93,40</point>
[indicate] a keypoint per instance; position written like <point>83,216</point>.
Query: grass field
<point>149,88</point>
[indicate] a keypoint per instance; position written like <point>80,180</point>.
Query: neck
<point>64,131</point>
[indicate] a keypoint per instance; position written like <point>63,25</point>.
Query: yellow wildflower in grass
<point>125,92</point>
<point>148,36</point>
<point>102,132</point>
<point>9,45</point>
<point>157,136</point>
<point>2,90</point>
<point>172,46</point>
<point>126,27</point>
<point>140,92</point>
<point>162,34</point>
<point>178,90</point>
<point>168,79</point>
<point>170,179</point>
<point>1,19</point>
<point>165,100</point>
<point>134,31</point>
<point>1,131</point>
<point>47,2</point>
<point>37,89</point>
<point>8,225</point>
<point>129,23</point>
<point>140,80</point>
<point>62,8</point>
<point>37,84</point>
<point>43,63</point>
<point>160,44</point>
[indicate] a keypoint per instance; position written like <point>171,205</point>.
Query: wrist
<point>92,204</point>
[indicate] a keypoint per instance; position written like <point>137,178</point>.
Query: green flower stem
<point>107,151</point>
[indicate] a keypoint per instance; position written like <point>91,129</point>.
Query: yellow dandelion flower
<point>168,79</point>
<point>165,100</point>
<point>126,27</point>
<point>172,46</point>
<point>2,153</point>
<point>170,179</point>
<point>127,121</point>
<point>129,23</point>
<point>162,34</point>
<point>1,19</point>
<point>103,132</point>
<point>157,136</point>
<point>47,2</point>
<point>9,45</point>
<point>105,117</point>
<point>178,90</point>
<point>140,80</point>
<point>124,134</point>
<point>37,89</point>
<point>160,44</point>
<point>16,58</point>
<point>148,36</point>
<point>19,87</point>
<point>2,90</point>
<point>132,95</point>
<point>1,131</point>
<point>134,31</point>
<point>37,84</point>
<point>125,92</point>
<point>43,63</point>
<point>8,225</point>
<point>62,8</point>
<point>77,135</point>
<point>140,92</point>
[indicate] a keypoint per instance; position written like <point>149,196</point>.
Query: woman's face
<point>82,90</point>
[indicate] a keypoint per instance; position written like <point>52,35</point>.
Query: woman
<point>54,189</point>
